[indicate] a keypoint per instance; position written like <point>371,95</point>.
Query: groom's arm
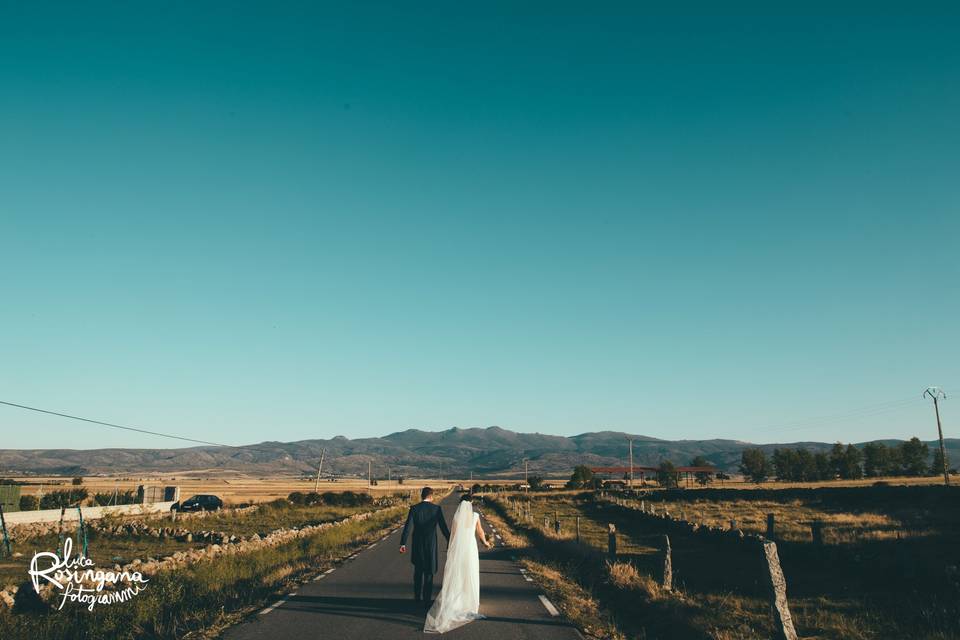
<point>443,524</point>
<point>406,530</point>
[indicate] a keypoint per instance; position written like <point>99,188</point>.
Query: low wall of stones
<point>104,519</point>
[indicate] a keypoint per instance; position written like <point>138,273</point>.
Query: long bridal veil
<point>459,599</point>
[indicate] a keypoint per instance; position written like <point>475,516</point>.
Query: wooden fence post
<point>612,542</point>
<point>816,530</point>
<point>667,565</point>
<point>6,538</point>
<point>556,523</point>
<point>63,511</point>
<point>771,526</point>
<point>783,622</point>
<point>578,528</point>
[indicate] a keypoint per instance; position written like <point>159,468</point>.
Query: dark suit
<point>424,518</point>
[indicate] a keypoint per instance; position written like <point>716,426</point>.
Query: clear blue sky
<point>248,221</point>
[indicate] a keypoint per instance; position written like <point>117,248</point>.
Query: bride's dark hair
<point>466,497</point>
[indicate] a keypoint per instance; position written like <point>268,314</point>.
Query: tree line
<point>874,460</point>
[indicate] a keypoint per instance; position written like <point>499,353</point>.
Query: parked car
<point>201,502</point>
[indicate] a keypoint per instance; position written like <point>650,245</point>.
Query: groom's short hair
<point>425,493</point>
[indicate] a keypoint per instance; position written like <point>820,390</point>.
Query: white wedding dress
<point>459,599</point>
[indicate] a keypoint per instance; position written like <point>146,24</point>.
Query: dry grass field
<point>864,583</point>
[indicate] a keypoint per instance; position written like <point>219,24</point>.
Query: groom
<point>424,517</point>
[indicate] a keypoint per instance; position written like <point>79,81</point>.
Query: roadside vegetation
<point>862,584</point>
<point>205,596</point>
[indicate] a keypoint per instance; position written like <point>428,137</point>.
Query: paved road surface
<point>371,597</point>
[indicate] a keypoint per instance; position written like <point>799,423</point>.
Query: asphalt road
<point>371,596</point>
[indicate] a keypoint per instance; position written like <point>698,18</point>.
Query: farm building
<point>640,474</point>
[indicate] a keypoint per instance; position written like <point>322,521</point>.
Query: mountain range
<point>456,452</point>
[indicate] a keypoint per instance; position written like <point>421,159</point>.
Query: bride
<point>459,599</point>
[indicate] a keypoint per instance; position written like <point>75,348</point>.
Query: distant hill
<point>455,453</point>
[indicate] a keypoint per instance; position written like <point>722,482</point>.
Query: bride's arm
<point>483,537</point>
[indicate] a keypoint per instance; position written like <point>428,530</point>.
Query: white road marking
<point>372,546</point>
<point>291,594</point>
<point>320,577</point>
<point>552,610</point>
<point>328,571</point>
<point>272,607</point>
<point>528,579</point>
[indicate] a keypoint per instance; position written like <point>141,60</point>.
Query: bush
<point>65,498</point>
<point>29,503</point>
<point>115,497</point>
<point>280,504</point>
<point>302,499</point>
<point>346,499</point>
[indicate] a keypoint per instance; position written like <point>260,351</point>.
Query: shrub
<point>346,499</point>
<point>115,497</point>
<point>29,503</point>
<point>65,498</point>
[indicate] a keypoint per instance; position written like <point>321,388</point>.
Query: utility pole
<point>630,441</point>
<point>316,486</point>
<point>369,473</point>
<point>937,394</point>
<point>526,472</point>
<point>388,475</point>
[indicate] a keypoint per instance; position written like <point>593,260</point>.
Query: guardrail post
<point>612,542</point>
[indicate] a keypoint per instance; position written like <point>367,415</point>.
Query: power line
<point>861,412</point>
<point>135,429</point>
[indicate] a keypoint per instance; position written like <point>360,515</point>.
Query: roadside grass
<point>205,596</point>
<point>575,602</point>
